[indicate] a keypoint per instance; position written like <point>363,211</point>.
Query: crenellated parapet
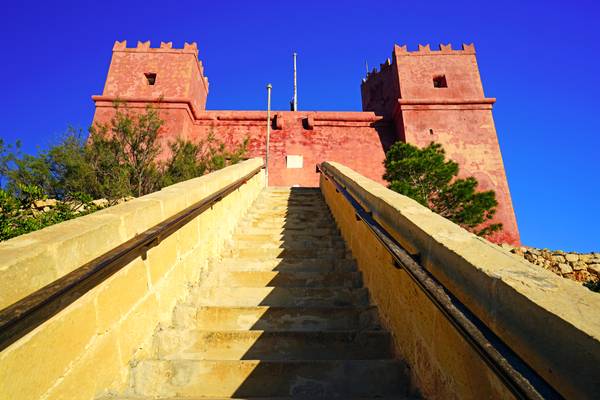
<point>422,50</point>
<point>142,74</point>
<point>145,47</point>
<point>442,49</point>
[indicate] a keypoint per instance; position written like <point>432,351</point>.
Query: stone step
<point>291,225</point>
<point>305,214</point>
<point>286,265</point>
<point>285,211</point>
<point>278,297</point>
<point>292,191</point>
<point>298,236</point>
<point>253,378</point>
<point>270,345</point>
<point>289,208</point>
<point>281,230</point>
<point>296,218</point>
<point>283,279</point>
<point>324,219</point>
<point>254,252</point>
<point>290,204</point>
<point>276,318</point>
<point>291,200</point>
<point>246,242</point>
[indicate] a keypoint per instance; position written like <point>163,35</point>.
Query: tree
<point>18,214</point>
<point>189,159</point>
<point>132,138</point>
<point>118,159</point>
<point>427,177</point>
<point>58,171</point>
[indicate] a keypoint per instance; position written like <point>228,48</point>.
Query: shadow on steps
<point>283,315</point>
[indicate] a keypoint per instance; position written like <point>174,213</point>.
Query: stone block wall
<point>536,313</point>
<point>87,347</point>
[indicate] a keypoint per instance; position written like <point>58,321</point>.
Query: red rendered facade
<point>438,96</point>
<point>399,102</point>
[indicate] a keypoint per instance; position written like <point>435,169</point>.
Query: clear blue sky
<point>539,59</point>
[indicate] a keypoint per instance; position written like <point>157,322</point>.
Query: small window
<point>150,77</point>
<point>440,81</point>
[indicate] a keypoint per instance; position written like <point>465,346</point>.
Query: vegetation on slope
<point>117,160</point>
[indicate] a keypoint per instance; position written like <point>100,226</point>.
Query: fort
<point>417,97</point>
<point>223,287</point>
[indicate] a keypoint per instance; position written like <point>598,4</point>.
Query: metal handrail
<point>28,313</point>
<point>522,381</point>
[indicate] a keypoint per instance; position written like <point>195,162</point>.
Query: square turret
<point>437,96</point>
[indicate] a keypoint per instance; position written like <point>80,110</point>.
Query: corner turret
<point>143,73</point>
<point>437,96</point>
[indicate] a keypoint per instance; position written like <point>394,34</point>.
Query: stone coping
<point>552,323</point>
<point>31,261</point>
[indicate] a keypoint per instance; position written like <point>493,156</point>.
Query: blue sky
<point>539,59</point>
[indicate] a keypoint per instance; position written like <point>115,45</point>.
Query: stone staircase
<point>282,315</point>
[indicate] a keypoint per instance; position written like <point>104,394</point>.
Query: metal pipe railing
<point>30,312</point>
<point>522,381</point>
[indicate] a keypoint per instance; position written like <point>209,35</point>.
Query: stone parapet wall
<point>88,346</point>
<point>551,323</point>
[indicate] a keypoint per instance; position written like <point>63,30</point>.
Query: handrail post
<point>268,135</point>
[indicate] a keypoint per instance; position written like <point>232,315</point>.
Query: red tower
<point>170,79</point>
<point>437,96</point>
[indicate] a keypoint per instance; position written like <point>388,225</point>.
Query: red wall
<point>316,136</point>
<point>457,116</point>
<point>179,74</point>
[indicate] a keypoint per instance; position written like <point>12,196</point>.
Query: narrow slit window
<point>151,78</point>
<point>439,81</point>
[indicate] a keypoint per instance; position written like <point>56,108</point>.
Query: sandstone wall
<point>87,347</point>
<point>550,322</point>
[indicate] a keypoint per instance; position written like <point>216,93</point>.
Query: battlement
<point>444,49</point>
<point>423,50</point>
<point>191,48</point>
<point>165,47</point>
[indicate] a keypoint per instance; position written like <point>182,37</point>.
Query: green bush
<point>425,175</point>
<point>117,160</point>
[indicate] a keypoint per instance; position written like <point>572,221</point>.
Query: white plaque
<point>294,161</point>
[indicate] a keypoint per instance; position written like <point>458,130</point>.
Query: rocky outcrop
<point>580,267</point>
